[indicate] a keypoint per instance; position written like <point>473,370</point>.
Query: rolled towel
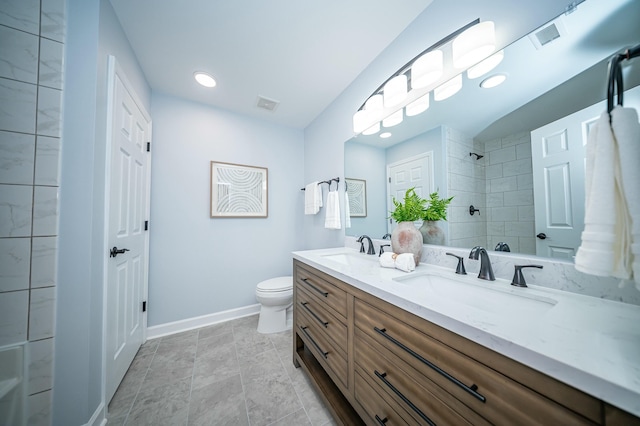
<point>388,259</point>
<point>405,262</point>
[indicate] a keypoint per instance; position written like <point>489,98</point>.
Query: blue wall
<point>368,163</point>
<point>200,265</point>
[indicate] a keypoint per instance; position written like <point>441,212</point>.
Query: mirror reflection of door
<point>413,172</point>
<point>558,157</point>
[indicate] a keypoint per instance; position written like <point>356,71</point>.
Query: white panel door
<point>558,159</point>
<point>413,172</point>
<point>127,239</point>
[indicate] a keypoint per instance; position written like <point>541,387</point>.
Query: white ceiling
<point>300,54</point>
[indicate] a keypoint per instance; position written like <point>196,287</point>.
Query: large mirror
<point>546,81</point>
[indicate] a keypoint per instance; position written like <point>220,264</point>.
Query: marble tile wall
<point>32,35</point>
<point>466,183</point>
<point>509,189</point>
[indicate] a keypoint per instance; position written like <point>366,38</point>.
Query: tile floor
<point>225,374</point>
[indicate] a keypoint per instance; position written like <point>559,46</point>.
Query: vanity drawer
<point>334,328</point>
<point>323,288</point>
<point>378,410</point>
<point>332,357</point>
<point>421,399</point>
<point>489,393</point>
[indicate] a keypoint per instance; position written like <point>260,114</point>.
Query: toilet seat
<point>275,285</point>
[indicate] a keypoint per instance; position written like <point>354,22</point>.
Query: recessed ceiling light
<point>204,79</point>
<point>385,135</point>
<point>493,81</point>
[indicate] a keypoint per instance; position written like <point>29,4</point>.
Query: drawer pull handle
<point>304,305</point>
<point>472,389</point>
<point>380,421</point>
<point>308,282</point>
<point>304,330</point>
<point>404,398</point>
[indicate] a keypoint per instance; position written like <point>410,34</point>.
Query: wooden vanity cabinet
<point>377,364</point>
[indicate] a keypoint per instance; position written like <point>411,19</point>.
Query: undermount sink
<point>352,259</point>
<point>489,298</point>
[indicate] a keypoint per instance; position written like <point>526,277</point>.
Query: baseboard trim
<point>202,321</point>
<point>99,417</point>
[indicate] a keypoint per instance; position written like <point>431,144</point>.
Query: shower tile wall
<point>466,183</point>
<point>31,75</point>
<point>509,190</point>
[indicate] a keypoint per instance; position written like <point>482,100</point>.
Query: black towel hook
<point>614,80</point>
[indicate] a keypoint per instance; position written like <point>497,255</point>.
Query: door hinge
<point>148,146</point>
<point>144,306</point>
<point>146,225</point>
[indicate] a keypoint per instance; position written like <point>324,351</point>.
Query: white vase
<point>406,238</point>
<point>432,233</point>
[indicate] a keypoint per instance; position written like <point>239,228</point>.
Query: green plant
<point>437,209</point>
<point>411,210</point>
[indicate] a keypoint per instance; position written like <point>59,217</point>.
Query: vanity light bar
<point>469,45</point>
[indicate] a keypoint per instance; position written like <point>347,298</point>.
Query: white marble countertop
<point>589,343</point>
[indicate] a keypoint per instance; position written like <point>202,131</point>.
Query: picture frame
<point>357,193</point>
<point>238,191</point>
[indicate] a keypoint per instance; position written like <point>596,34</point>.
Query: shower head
<point>478,156</point>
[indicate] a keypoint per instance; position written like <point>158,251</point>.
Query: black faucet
<point>386,236</point>
<point>518,278</point>
<point>371,250</point>
<point>502,247</point>
<point>460,268</point>
<point>486,271</point>
<point>382,248</point>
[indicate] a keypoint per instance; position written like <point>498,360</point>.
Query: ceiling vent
<point>548,33</point>
<point>268,104</point>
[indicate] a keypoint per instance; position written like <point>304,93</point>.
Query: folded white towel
<point>312,198</point>
<point>626,130</point>
<point>347,211</point>
<point>388,259</point>
<point>406,262</point>
<point>332,219</point>
<point>595,255</point>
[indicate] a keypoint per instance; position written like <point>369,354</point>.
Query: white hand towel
<point>312,198</point>
<point>388,259</point>
<point>406,262</point>
<point>347,211</point>
<point>599,254</point>
<point>626,130</point>
<point>332,219</point>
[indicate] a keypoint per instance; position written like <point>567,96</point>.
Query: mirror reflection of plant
<point>437,209</point>
<point>411,210</point>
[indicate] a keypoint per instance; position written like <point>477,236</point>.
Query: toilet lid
<point>276,284</point>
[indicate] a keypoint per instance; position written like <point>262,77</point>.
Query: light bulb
<point>395,91</point>
<point>419,105</point>
<point>474,44</point>
<point>448,89</point>
<point>427,69</point>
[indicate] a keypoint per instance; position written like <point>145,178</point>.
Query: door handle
<point>116,251</point>
<point>542,236</point>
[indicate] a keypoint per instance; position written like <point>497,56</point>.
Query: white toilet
<point>276,297</point>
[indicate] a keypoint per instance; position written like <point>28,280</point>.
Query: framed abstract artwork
<point>357,193</point>
<point>238,190</point>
